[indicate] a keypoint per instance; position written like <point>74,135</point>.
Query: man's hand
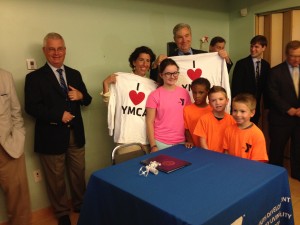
<point>67,117</point>
<point>158,61</point>
<point>224,55</point>
<point>298,112</point>
<point>74,94</point>
<point>292,111</point>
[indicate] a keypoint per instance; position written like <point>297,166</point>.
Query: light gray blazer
<point>12,131</point>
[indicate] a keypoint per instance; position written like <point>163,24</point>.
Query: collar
<point>255,60</point>
<point>181,53</point>
<point>54,68</point>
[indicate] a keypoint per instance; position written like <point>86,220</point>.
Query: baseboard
<point>38,215</point>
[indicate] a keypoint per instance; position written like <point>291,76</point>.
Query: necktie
<point>257,72</point>
<point>295,76</point>
<point>62,81</point>
<point>187,53</point>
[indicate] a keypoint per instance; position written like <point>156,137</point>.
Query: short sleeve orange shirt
<point>212,130</point>
<point>192,114</point>
<point>246,143</point>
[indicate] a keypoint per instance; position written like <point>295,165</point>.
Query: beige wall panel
<point>287,32</point>
<point>259,29</point>
<point>295,25</point>
<point>276,38</point>
<point>267,34</point>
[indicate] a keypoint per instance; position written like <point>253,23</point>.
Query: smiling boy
<point>244,139</point>
<point>211,126</point>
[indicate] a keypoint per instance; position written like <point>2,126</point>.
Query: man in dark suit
<point>284,114</point>
<point>250,74</point>
<point>217,44</point>
<point>182,35</point>
<point>53,96</point>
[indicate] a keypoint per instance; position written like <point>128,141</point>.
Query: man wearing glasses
<point>284,115</point>
<point>54,95</point>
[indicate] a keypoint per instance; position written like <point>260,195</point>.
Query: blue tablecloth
<point>216,189</point>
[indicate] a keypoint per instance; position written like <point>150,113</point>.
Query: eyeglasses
<point>169,74</point>
<point>59,50</point>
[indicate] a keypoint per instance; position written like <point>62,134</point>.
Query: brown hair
<point>216,89</point>
<point>292,45</point>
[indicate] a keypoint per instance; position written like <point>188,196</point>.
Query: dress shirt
<point>181,53</point>
<point>57,74</point>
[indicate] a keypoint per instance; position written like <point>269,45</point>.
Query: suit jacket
<point>154,72</point>
<point>282,96</point>
<point>46,102</point>
<point>243,81</point>
<point>229,66</point>
<point>12,131</point>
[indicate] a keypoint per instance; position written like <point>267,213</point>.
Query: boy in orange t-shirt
<point>211,126</point>
<point>193,112</point>
<point>245,139</point>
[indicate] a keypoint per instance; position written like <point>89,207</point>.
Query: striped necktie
<point>62,81</point>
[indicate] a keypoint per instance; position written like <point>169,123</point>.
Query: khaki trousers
<point>13,181</point>
<point>54,167</point>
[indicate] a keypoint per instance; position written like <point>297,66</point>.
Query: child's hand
<point>189,144</point>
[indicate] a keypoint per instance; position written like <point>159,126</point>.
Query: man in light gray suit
<point>13,177</point>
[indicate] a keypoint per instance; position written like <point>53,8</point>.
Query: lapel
<point>68,75</point>
<point>251,68</point>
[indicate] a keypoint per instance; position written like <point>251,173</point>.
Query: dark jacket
<point>46,102</point>
<point>243,81</point>
<point>282,96</point>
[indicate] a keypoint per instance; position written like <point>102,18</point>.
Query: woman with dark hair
<point>165,124</point>
<point>126,94</point>
<point>140,61</point>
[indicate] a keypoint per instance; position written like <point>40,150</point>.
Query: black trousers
<point>279,136</point>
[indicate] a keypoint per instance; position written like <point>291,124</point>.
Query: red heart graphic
<point>136,98</point>
<point>194,74</point>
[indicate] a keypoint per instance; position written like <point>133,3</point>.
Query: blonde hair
<point>248,99</point>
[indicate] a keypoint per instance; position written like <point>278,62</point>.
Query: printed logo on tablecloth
<point>278,214</point>
<point>282,213</point>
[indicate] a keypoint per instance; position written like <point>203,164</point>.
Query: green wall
<point>99,36</point>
